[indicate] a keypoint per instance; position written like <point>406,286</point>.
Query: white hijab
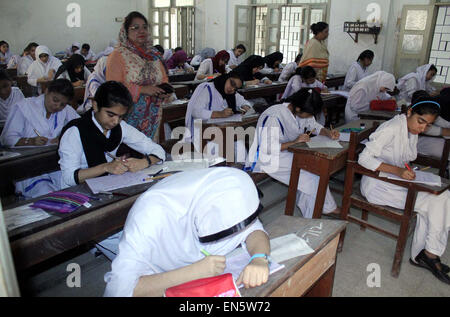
<point>419,76</point>
<point>39,69</point>
<point>373,83</point>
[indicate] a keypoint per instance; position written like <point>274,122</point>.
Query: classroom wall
<point>44,22</point>
<point>344,51</point>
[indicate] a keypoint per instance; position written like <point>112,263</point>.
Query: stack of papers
<point>321,141</point>
<point>24,215</point>
<point>421,178</point>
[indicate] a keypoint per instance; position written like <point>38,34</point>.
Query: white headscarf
<point>419,76</point>
<point>100,69</point>
<point>39,69</point>
<point>373,83</point>
<point>163,227</point>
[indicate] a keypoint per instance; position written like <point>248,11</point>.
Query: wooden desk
<point>182,77</point>
<point>322,162</point>
<point>42,240</point>
<point>181,91</point>
<point>27,89</point>
<point>273,76</point>
<point>335,81</point>
<point>12,72</point>
<point>311,275</point>
<point>263,90</point>
<point>377,115</point>
<point>171,113</point>
<point>31,162</point>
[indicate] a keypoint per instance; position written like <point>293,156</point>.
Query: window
<point>172,24</point>
<point>440,49</point>
<point>278,25</point>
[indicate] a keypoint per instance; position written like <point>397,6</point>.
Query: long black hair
<point>422,103</point>
<point>366,54</point>
<point>113,92</point>
<point>76,60</point>
<point>308,100</point>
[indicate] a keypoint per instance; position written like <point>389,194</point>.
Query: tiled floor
<point>361,248</point>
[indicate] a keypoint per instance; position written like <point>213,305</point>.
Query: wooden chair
<point>437,162</point>
<point>353,197</point>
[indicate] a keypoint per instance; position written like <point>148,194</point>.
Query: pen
<point>35,131</point>
<point>310,132</point>
<point>206,253</point>
<point>159,172</point>
<point>407,166</point>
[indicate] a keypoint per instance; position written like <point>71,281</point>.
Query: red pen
<point>407,166</point>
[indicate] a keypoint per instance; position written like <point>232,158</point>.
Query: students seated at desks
<point>108,50</point>
<point>38,121</point>
<point>392,145</point>
<point>213,66</point>
<point>5,54</point>
<point>305,77</point>
<point>280,127</point>
<point>359,69</point>
<point>370,88</point>
<point>14,61</point>
<point>194,213</point>
<point>216,99</point>
<point>203,55</point>
<point>420,80</point>
<point>272,63</point>
<point>167,54</point>
<point>235,56</point>
<point>74,70</point>
<point>72,49</point>
<point>249,71</point>
<point>433,146</point>
<point>43,68</point>
<point>96,78</point>
<point>28,58</point>
<point>86,52</point>
<point>289,69</point>
<point>178,63</point>
<point>9,96</point>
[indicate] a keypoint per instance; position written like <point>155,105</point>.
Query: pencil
<point>425,168</point>
<point>35,131</point>
<point>206,253</point>
<point>310,132</point>
<point>156,177</point>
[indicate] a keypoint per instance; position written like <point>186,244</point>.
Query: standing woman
<point>43,68</point>
<point>74,70</point>
<point>213,66</point>
<point>316,52</point>
<point>137,65</point>
<point>359,69</point>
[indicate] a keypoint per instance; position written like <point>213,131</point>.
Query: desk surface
<point>329,229</point>
<point>374,115</point>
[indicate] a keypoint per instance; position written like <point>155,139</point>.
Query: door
<point>243,30</point>
<point>415,38</point>
<point>160,27</point>
<point>273,22</point>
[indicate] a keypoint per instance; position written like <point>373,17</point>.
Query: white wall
<point>44,22</point>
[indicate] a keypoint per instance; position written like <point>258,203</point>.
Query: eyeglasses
<point>138,27</point>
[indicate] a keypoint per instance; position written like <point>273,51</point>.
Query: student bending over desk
<point>304,77</point>
<point>389,148</point>
<point>280,127</point>
<point>9,96</point>
<point>38,121</point>
<point>172,222</point>
<point>249,71</point>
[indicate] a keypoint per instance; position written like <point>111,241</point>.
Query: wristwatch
<point>261,255</point>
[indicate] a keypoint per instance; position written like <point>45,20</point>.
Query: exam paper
<point>177,166</point>
<point>322,141</point>
<point>421,178</point>
<point>112,182</point>
<point>288,247</point>
<point>233,118</point>
<point>23,215</point>
<point>344,137</point>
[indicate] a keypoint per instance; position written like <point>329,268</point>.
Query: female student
<point>304,78</point>
<point>86,52</point>
<point>5,54</point>
<point>204,54</point>
<point>359,69</point>
<point>178,62</point>
<point>96,78</point>
<point>316,52</point>
<point>272,63</point>
<point>108,50</point>
<point>290,69</point>
<point>250,71</point>
<point>72,49</point>
<point>370,88</point>
<point>85,142</point>
<point>235,56</point>
<point>74,70</point>
<point>213,66</point>
<point>393,145</point>
<point>38,121</point>
<point>420,80</point>
<point>432,146</point>
<point>9,96</point>
<point>43,68</point>
<point>216,99</point>
<point>278,128</point>
<point>27,59</point>
<point>193,212</point>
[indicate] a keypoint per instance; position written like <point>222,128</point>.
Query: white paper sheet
<point>24,215</point>
<point>113,182</point>
<point>177,166</point>
<point>237,260</point>
<point>340,93</point>
<point>322,141</point>
<point>287,247</point>
<point>233,118</point>
<point>4,155</point>
<point>421,178</point>
<point>344,137</point>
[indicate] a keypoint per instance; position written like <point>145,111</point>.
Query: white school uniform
<point>25,117</point>
<point>7,56</point>
<point>365,91</point>
<point>72,155</point>
<point>107,51</point>
<point>186,67</point>
<point>433,146</point>
<point>95,79</point>
<point>288,71</point>
<point>24,64</point>
<point>296,83</point>
<point>277,125</point>
<point>412,82</point>
<point>89,57</point>
<point>38,69</point>
<point>65,75</point>
<point>167,54</point>
<point>196,60</point>
<point>5,105</point>
<point>393,144</point>
<point>234,61</point>
<point>181,209</point>
<point>69,49</point>
<point>206,68</point>
<point>354,74</point>
<point>13,62</point>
